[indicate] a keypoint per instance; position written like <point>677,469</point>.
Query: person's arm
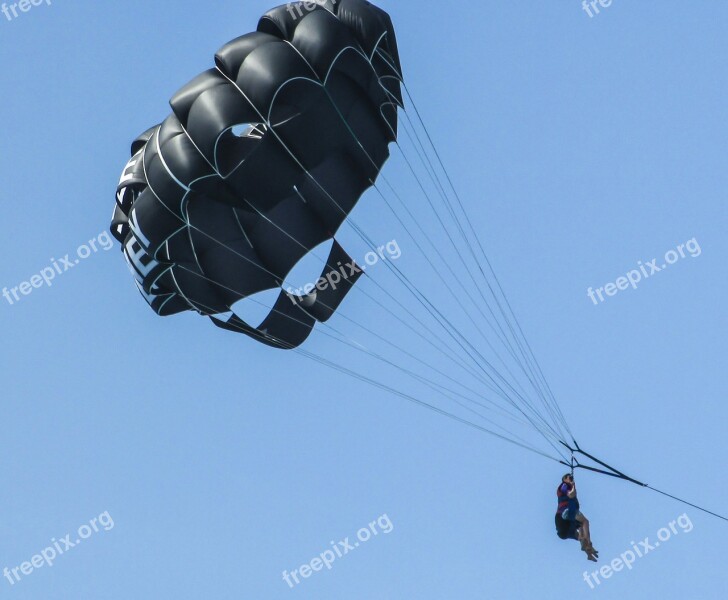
<point>572,491</point>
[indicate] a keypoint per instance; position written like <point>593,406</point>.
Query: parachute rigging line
<point>544,433</point>
<point>392,390</point>
<point>612,472</point>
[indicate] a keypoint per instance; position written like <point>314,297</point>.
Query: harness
<point>563,499</point>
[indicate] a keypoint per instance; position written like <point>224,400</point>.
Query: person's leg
<point>585,537</point>
<point>582,538</point>
<point>584,525</point>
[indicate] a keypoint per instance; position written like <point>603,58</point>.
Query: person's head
<point>568,478</point>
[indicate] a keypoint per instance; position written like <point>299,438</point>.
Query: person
<point>570,521</point>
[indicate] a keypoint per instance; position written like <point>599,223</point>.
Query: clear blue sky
<point>580,145</point>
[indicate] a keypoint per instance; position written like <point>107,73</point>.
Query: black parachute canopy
<point>261,160</point>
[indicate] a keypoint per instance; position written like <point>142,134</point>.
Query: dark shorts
<point>572,515</point>
<point>566,530</point>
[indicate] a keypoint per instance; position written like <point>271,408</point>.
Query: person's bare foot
<point>589,548</point>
